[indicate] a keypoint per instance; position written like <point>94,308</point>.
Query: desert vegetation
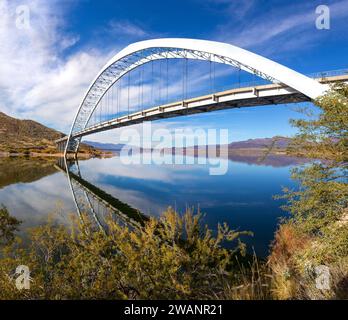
<point>169,258</point>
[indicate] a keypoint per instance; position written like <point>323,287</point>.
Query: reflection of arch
<point>95,202</point>
<point>143,52</point>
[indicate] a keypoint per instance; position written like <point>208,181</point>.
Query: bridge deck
<point>233,98</point>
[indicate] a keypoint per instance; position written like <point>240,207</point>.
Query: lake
<point>32,189</point>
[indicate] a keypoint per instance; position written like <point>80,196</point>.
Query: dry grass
<point>284,282</point>
<point>287,241</point>
<point>253,282</point>
<point>293,260</point>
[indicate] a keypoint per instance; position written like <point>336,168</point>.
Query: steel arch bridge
<point>286,85</point>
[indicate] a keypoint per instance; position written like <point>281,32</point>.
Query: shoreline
<point>52,155</point>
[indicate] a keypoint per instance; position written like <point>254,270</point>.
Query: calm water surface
<point>32,189</point>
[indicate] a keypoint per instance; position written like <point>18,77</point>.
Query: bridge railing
<point>204,91</point>
<point>254,83</point>
<point>325,74</point>
<point>208,91</point>
<point>102,118</point>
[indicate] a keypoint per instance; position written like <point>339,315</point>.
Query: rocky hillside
<point>28,136</point>
<point>17,136</point>
<point>25,129</point>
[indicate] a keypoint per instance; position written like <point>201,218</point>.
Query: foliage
<point>325,136</point>
<point>173,257</point>
<point>321,199</point>
<point>317,231</point>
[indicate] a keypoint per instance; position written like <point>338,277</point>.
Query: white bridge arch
<point>143,52</point>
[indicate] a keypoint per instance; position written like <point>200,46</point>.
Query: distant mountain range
<point>105,146</point>
<point>261,143</point>
<point>28,136</point>
<point>276,142</point>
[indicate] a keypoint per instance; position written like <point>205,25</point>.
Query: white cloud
<point>56,97</point>
<point>239,9</point>
<point>279,29</point>
<point>36,80</point>
<point>126,28</point>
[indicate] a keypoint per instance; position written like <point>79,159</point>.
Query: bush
<point>174,257</point>
<point>317,232</point>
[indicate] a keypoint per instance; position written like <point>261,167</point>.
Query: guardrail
<point>325,74</point>
<point>316,75</point>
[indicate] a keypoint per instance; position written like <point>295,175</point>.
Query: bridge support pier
<point>61,145</point>
<point>72,148</point>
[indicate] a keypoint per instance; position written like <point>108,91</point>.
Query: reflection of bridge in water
<point>122,95</point>
<point>96,204</point>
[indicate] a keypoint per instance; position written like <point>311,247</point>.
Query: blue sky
<point>45,69</point>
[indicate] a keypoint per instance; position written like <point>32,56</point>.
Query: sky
<point>46,66</point>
